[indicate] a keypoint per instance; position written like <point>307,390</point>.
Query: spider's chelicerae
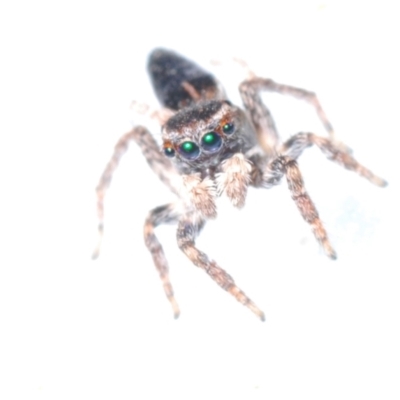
<point>210,148</point>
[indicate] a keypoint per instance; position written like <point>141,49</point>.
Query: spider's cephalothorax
<point>212,148</point>
<point>200,137</point>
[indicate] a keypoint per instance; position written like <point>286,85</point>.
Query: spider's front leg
<point>156,160</point>
<point>166,214</point>
<point>189,227</point>
<point>285,164</point>
<point>271,175</point>
<point>288,166</point>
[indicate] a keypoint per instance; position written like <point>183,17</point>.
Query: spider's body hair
<point>213,148</point>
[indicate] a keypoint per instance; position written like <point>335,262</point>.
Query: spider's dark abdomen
<point>178,82</point>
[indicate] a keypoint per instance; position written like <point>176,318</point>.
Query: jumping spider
<point>212,148</point>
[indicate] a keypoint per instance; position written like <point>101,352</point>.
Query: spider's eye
<point>189,150</point>
<point>228,128</point>
<point>169,151</point>
<point>211,141</point>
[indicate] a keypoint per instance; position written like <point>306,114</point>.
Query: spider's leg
<point>271,175</point>
<point>188,229</point>
<point>159,164</point>
<point>261,116</point>
<point>161,215</point>
<point>298,143</point>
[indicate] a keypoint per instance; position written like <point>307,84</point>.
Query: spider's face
<point>202,136</point>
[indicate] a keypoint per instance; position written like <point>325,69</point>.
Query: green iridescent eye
<point>169,151</point>
<point>211,141</point>
<point>189,150</point>
<point>228,128</point>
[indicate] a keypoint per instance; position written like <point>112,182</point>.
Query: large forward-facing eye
<point>211,141</point>
<point>189,150</point>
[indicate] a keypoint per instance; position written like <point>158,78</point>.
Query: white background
<point>73,328</point>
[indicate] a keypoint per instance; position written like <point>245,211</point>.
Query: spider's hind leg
<point>261,116</point>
